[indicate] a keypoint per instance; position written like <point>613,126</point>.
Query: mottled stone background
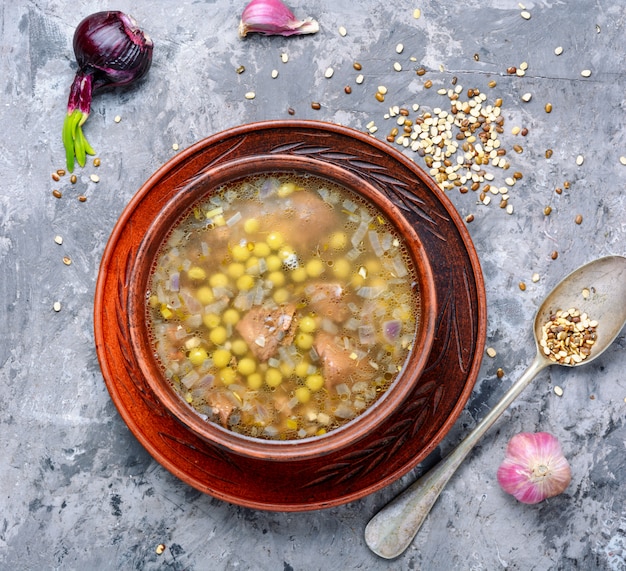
<point>77,491</point>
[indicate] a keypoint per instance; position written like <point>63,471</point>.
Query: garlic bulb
<point>534,468</point>
<point>272,17</point>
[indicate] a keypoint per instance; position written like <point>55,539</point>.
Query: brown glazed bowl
<point>373,449</point>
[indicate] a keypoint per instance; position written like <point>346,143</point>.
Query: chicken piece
<point>305,219</point>
<point>222,403</point>
<point>328,300</point>
<point>265,329</point>
<point>337,364</point>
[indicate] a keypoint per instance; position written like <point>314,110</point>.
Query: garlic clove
<point>534,468</point>
<point>272,17</point>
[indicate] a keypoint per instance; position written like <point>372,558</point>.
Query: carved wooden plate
<point>403,439</point>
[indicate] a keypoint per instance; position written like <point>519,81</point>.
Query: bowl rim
<point>178,207</point>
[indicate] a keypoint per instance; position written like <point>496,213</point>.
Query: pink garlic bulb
<point>272,17</point>
<point>534,468</point>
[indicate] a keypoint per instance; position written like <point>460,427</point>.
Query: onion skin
<point>111,51</point>
<point>534,468</point>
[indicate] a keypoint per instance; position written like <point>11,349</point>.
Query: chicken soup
<point>283,306</point>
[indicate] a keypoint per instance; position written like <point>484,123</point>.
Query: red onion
<point>111,51</point>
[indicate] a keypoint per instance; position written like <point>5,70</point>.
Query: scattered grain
<point>240,69</point>
<point>379,96</point>
<point>547,210</point>
<point>428,84</point>
<point>558,51</point>
<point>397,66</point>
<point>175,146</point>
<point>516,130</point>
<point>250,95</point>
<point>580,160</point>
<point>359,79</point>
<point>549,153</point>
<point>491,352</point>
<point>492,83</point>
<point>316,105</point>
<point>291,111</point>
<point>585,73</point>
<point>97,162</point>
<point>417,13</point>
<point>420,71</point>
<point>284,57</point>
<point>522,286</point>
<point>554,255</point>
<point>73,179</point>
<point>558,391</point>
<point>56,177</point>
<point>500,372</point>
<point>58,240</point>
<point>586,293</point>
<point>57,193</point>
<point>548,107</point>
<point>82,198</point>
<point>535,278</point>
<point>274,73</point>
<point>578,219</point>
<point>56,306</point>
<point>67,260</point>
<point>469,218</point>
<point>160,549</point>
<point>512,70</point>
<point>94,178</point>
<point>347,89</point>
<point>525,14</point>
<point>399,48</point>
<point>329,72</point>
<point>356,65</point>
<point>622,160</point>
<point>527,97</point>
<point>342,31</point>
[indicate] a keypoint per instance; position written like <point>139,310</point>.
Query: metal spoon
<point>597,288</point>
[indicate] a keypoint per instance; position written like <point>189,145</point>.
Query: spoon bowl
<point>598,289</point>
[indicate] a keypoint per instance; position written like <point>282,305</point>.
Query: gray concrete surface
<point>77,491</point>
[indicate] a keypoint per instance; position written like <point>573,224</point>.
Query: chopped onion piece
<point>370,292</point>
<point>234,219</point>
<point>375,242</point>
<point>387,241</point>
<point>349,205</point>
<point>190,379</point>
<point>344,410</point>
<point>343,389</point>
<point>174,281</point>
<point>353,254</point>
<point>359,233</point>
<point>367,335</point>
<point>399,267</point>
<point>392,330</point>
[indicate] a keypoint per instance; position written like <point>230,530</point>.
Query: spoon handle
<point>393,528</point>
